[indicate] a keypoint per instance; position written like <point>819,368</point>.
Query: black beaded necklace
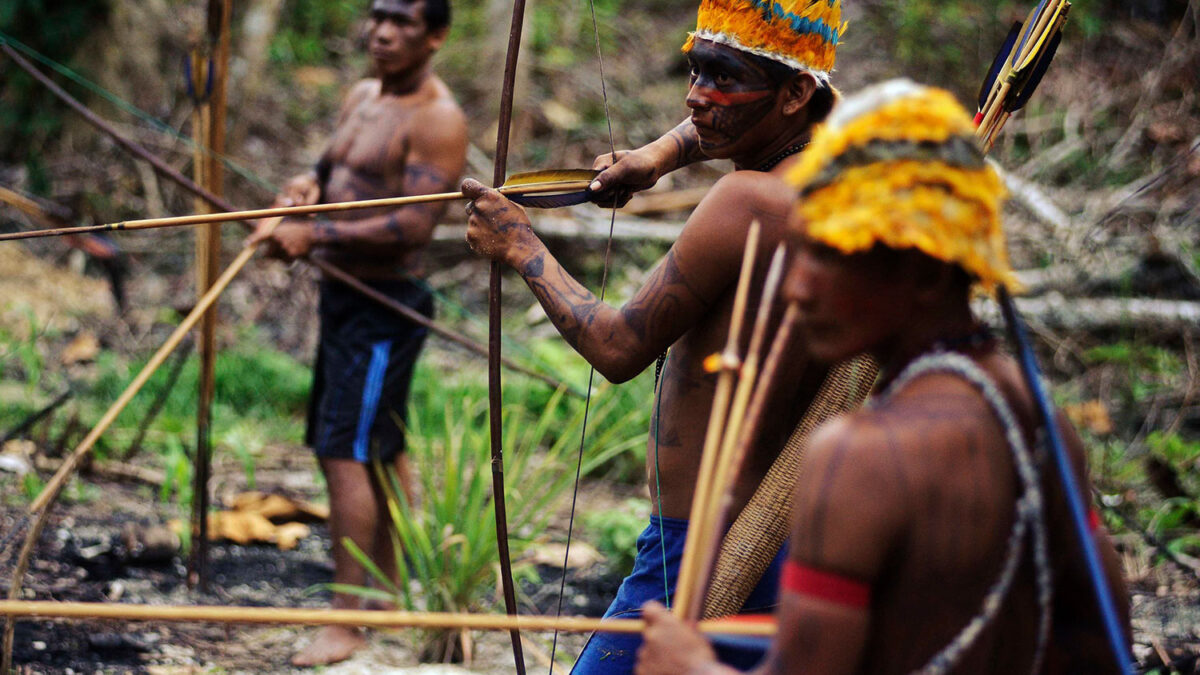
<point>774,160</point>
<point>977,338</point>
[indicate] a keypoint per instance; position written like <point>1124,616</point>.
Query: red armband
<point>1094,521</point>
<point>825,586</point>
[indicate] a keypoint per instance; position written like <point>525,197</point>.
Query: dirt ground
<point>81,558</point>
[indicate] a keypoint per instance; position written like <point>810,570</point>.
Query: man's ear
<point>436,38</point>
<point>798,92</point>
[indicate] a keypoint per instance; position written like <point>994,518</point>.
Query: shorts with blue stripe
<point>365,361</point>
<point>655,571</point>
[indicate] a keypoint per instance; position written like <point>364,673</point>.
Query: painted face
<point>730,96</point>
<point>848,304</point>
<point>398,39</point>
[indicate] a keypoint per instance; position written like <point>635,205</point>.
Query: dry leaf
<point>289,534</point>
<point>82,349</point>
<point>1090,415</point>
<point>238,527</point>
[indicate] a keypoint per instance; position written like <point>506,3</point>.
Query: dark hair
<point>778,74</point>
<point>437,14</point>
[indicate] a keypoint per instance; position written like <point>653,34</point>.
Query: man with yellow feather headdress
<point>759,83</point>
<point>928,536</point>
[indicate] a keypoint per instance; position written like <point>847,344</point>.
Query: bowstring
<point>612,221</point>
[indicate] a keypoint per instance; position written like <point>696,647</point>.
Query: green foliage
<point>1148,368</point>
<point>446,546</point>
<point>615,531</point>
<point>252,383</point>
<point>307,26</point>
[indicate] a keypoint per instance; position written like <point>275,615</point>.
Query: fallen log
<point>1057,311</point>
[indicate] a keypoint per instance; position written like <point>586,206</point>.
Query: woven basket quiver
<point>764,524</point>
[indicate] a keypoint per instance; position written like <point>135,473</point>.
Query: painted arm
<point>434,161</point>
<point>620,343</point>
<point>630,171</point>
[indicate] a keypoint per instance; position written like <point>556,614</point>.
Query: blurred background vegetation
<point>1109,142</point>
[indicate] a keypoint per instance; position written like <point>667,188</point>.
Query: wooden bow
<point>495,400</point>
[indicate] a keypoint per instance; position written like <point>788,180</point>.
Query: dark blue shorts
<point>663,539</point>
<point>365,362</point>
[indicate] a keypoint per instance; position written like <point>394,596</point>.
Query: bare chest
<point>372,142</point>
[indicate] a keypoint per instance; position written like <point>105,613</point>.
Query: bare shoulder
<point>439,113</point>
<point>723,217</point>
<point>852,497</point>
<point>752,190</point>
<point>361,91</point>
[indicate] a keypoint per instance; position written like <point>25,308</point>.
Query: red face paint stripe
<point>825,586</point>
<point>732,98</point>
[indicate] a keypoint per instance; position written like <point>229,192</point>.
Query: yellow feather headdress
<point>802,34</point>
<point>898,164</point>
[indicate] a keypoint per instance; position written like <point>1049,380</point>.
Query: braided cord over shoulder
<point>1029,517</point>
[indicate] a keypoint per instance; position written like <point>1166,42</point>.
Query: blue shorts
<point>365,362</point>
<point>663,539</point>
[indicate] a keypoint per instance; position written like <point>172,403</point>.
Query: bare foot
<point>330,645</point>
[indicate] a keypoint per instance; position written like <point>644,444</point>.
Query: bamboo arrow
<point>350,617</point>
<point>564,185</point>
<point>687,588</point>
<point>1019,67</point>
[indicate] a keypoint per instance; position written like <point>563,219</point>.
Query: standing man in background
<point>400,133</point>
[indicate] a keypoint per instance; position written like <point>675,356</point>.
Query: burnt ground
<point>82,557</point>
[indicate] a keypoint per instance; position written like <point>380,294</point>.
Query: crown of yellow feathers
<point>898,164</point>
<point>802,34</point>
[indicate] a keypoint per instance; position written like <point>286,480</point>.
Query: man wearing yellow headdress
<point>926,537</point>
<point>759,82</point>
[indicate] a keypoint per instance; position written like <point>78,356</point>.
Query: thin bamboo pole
<point>284,211</point>
<point>29,609</point>
<point>207,261</point>
<point>41,505</point>
<point>685,585</point>
<point>54,486</point>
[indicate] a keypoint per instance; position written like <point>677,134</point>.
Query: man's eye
<point>722,79</point>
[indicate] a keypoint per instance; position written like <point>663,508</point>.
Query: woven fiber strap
<point>760,530</point>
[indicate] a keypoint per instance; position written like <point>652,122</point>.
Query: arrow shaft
<point>286,211</point>
<point>348,617</point>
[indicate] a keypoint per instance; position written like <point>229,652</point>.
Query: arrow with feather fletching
<point>1019,66</point>
<point>1015,74</point>
<point>537,189</point>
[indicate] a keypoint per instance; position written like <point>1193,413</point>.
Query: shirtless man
<point>757,111</point>
<point>398,134</point>
<point>906,508</point>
